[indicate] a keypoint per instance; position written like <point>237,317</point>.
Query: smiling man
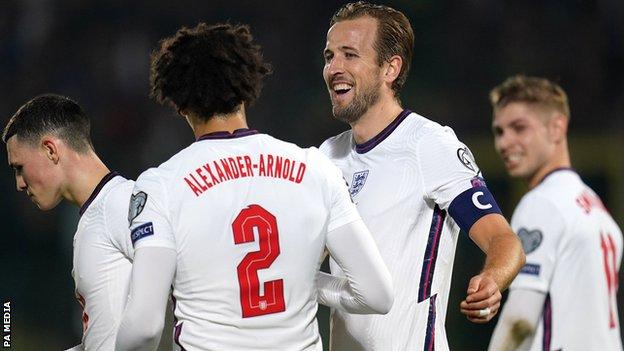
<point>406,173</point>
<point>565,296</point>
<point>50,150</point>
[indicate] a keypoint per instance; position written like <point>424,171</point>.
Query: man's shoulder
<point>422,134</point>
<point>283,145</point>
<point>107,213</point>
<point>337,145</point>
<point>118,196</point>
<point>169,168</point>
<point>433,133</point>
<point>116,204</point>
<point>560,189</point>
<point>115,187</point>
<point>549,202</point>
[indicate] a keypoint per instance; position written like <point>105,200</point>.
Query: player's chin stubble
<point>358,106</point>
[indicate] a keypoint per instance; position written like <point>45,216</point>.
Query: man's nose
<point>336,66</point>
<point>20,183</point>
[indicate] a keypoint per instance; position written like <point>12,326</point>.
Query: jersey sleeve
<point>117,205</point>
<point>452,179</point>
<point>540,227</point>
<point>148,213</point>
<point>368,284</point>
<point>342,210</point>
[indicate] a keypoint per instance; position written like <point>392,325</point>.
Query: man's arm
<point>518,321</point>
<point>504,259</point>
<point>367,287</point>
<point>144,317</point>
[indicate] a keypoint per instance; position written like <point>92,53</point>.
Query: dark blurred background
<point>97,53</point>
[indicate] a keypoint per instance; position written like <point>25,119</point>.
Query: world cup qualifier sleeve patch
<point>137,203</point>
<point>141,232</point>
<point>531,239</point>
<point>469,206</point>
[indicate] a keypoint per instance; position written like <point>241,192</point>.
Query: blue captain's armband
<point>469,206</point>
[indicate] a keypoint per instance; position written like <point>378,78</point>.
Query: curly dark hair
<point>208,70</point>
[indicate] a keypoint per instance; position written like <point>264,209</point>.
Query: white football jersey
<point>404,181</point>
<point>248,216</point>
<point>573,254</point>
<point>102,261</point>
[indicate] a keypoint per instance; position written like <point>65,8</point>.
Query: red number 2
<point>251,219</point>
<point>608,249</point>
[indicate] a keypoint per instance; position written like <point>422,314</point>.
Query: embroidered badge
<point>531,239</point>
<point>137,203</point>
<point>465,157</point>
<point>142,231</point>
<point>359,179</point>
<point>530,268</point>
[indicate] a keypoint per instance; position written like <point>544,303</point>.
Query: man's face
<point>351,72</point>
<point>35,173</point>
<point>521,137</point>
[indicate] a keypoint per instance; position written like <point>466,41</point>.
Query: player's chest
<point>89,257</point>
<point>379,182</point>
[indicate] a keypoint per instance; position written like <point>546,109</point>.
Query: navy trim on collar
<point>97,190</point>
<point>227,135</point>
<point>556,170</point>
<point>369,145</point>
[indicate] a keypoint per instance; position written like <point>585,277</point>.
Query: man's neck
<point>218,123</point>
<point>375,119</point>
<point>84,173</point>
<point>560,159</point>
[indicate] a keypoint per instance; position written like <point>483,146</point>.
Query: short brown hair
<point>531,90</point>
<point>394,34</point>
<point>208,69</point>
<point>54,114</point>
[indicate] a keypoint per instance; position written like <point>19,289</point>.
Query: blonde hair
<point>537,91</point>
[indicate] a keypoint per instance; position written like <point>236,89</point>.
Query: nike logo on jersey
<point>142,231</point>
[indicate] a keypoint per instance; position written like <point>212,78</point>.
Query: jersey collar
<point>369,145</point>
<point>556,170</point>
<point>97,190</point>
<point>227,135</point>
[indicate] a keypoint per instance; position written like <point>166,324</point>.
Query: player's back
<point>579,271</point>
<point>249,214</point>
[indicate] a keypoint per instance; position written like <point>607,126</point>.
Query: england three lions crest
<point>359,179</point>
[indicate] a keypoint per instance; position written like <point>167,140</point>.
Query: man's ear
<point>558,127</point>
<point>392,69</point>
<point>50,147</point>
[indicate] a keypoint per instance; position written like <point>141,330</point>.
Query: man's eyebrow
<point>346,47</point>
<point>342,48</point>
